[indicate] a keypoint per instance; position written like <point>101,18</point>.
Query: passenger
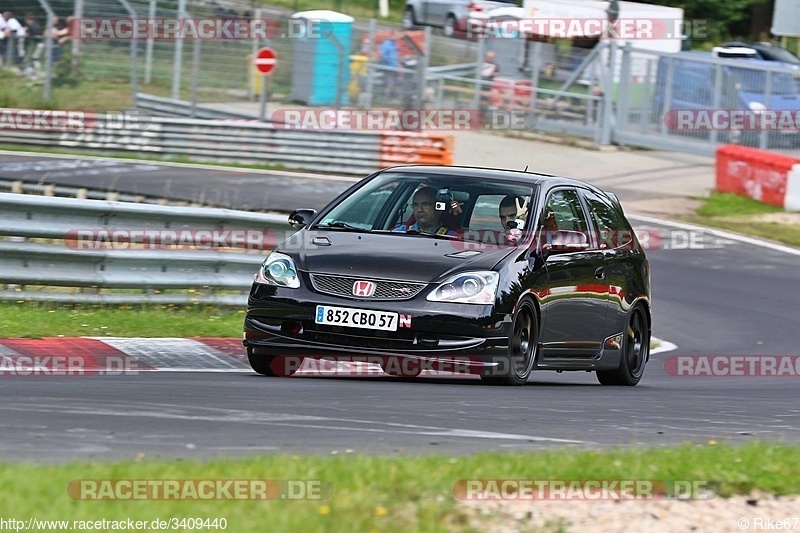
<point>427,216</point>
<point>513,211</point>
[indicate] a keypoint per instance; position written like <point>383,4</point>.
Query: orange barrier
<point>756,174</point>
<point>399,148</point>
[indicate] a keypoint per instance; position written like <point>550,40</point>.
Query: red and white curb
<point>121,355</point>
<point>125,355</point>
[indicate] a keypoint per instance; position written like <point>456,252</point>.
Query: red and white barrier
<point>764,176</point>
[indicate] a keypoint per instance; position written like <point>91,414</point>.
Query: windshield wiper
<point>339,225</point>
<point>434,235</point>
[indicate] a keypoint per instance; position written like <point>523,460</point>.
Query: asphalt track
<point>728,298</point>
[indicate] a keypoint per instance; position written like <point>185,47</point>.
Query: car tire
<point>523,348</point>
<point>272,366</point>
<point>635,352</point>
<point>409,21</point>
<point>449,28</point>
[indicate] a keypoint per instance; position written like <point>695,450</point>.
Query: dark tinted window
<point>613,230</point>
<point>563,211</point>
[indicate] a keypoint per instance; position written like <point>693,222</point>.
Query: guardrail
<point>169,107</point>
<point>347,152</point>
<point>98,245</point>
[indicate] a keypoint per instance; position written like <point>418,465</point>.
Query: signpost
<point>265,61</point>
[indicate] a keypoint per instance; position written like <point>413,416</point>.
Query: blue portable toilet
<point>320,58</point>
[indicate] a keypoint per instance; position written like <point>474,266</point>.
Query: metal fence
<point>52,246</point>
<point>607,93</point>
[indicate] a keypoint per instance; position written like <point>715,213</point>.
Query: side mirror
<point>563,241</point>
<point>300,218</point>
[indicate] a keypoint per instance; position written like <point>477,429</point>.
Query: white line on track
<point>173,412</point>
<point>719,233</point>
<point>282,173</point>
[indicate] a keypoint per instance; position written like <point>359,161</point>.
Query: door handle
<point>600,273</point>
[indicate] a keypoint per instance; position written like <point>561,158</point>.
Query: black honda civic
<point>498,271</point>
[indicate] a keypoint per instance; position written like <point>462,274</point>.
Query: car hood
<point>397,256</point>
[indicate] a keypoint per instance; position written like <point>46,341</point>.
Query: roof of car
<point>502,173</point>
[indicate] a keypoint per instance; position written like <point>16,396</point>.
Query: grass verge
<point>744,215</point>
<point>34,320</point>
<point>388,493</point>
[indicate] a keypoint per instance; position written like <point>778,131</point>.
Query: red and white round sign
<point>266,60</point>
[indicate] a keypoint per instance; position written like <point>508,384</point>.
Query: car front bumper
<point>280,322</point>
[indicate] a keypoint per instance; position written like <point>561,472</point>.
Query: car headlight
<point>467,288</point>
<point>757,107</point>
<point>278,269</point>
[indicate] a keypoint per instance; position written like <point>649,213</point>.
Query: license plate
<point>356,318</point>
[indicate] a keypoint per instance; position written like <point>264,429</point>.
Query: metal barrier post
<point>134,53</point>
<point>764,134</point>
<point>667,95</point>
<point>422,69</point>
<point>716,99</point>
<point>624,88</point>
<point>148,62</point>
<point>195,75</point>
<point>370,71</point>
<point>537,58</point>
<point>608,96</point>
<point>476,97</point>
<point>253,53</point>
<point>48,54</point>
<point>178,59</point>
<point>76,42</point>
<point>649,94</point>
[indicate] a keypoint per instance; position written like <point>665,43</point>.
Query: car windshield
<point>755,81</point>
<point>433,206</point>
<point>780,54</point>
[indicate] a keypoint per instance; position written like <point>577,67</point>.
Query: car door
<point>576,303</point>
<point>620,257</point>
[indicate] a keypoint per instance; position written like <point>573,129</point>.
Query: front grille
<point>384,290</point>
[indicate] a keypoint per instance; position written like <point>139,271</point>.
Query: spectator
<point>36,41</point>
<point>3,39</point>
<point>14,37</point>
<point>389,58</point>
<point>60,36</point>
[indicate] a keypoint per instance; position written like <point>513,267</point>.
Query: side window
<point>485,214</point>
<point>613,229</point>
<point>563,211</point>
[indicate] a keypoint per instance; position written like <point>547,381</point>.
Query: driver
<point>427,216</point>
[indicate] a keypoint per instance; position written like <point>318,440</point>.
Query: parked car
<point>444,14</point>
<point>767,52</point>
<point>742,88</point>
<point>564,286</point>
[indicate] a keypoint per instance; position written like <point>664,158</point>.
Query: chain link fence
<point>606,93</point>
